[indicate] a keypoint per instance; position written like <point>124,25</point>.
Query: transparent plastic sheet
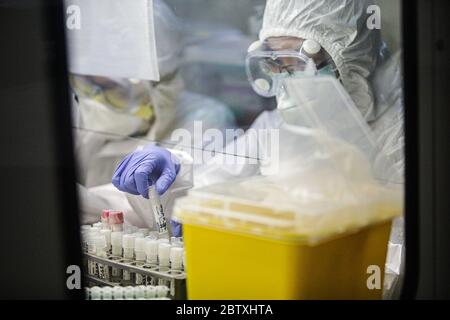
<point>111,38</point>
<point>324,187</point>
<point>325,184</point>
<point>382,146</point>
<point>395,261</point>
<point>323,103</point>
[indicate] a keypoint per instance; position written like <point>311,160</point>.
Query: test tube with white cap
<point>116,243</point>
<point>128,246</point>
<point>84,240</point>
<point>128,253</point>
<point>150,292</point>
<point>140,292</point>
<point>117,293</point>
<point>164,261</point>
<point>176,242</point>
<point>158,212</point>
<point>107,293</point>
<point>91,249</point>
<point>107,234</point>
<point>161,291</point>
<point>176,263</point>
<point>164,255</point>
<point>139,251</point>
<point>84,232</point>
<point>96,293</point>
<point>93,232</point>
<point>116,251</point>
<point>101,251</point>
<point>176,258</point>
<point>151,253</point>
<point>128,293</point>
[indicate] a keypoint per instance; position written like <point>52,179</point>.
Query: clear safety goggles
<point>267,67</point>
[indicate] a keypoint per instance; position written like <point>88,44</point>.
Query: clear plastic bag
<point>324,187</point>
<point>324,182</point>
<point>322,103</point>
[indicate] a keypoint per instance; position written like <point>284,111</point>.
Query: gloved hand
<point>177,230</point>
<point>143,168</point>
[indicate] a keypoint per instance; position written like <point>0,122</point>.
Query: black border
<point>410,71</point>
<point>54,18</point>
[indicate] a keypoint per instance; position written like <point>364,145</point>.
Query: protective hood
<point>340,27</point>
<point>111,38</point>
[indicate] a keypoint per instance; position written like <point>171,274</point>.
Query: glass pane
<point>205,105</point>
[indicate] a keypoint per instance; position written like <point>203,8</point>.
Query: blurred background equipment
<point>215,46</point>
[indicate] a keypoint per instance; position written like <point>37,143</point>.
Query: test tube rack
<point>175,280</point>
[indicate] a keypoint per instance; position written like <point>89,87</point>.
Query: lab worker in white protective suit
<point>334,34</point>
<point>116,116</point>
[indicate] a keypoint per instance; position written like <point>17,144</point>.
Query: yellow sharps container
<point>243,249</point>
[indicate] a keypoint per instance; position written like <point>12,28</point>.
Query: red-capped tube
<point>115,220</point>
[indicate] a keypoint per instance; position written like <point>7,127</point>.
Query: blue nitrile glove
<point>141,169</point>
<point>177,230</point>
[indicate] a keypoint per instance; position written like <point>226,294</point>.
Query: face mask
<point>288,109</point>
<point>95,116</point>
<point>278,78</point>
<point>120,95</point>
<point>283,100</point>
